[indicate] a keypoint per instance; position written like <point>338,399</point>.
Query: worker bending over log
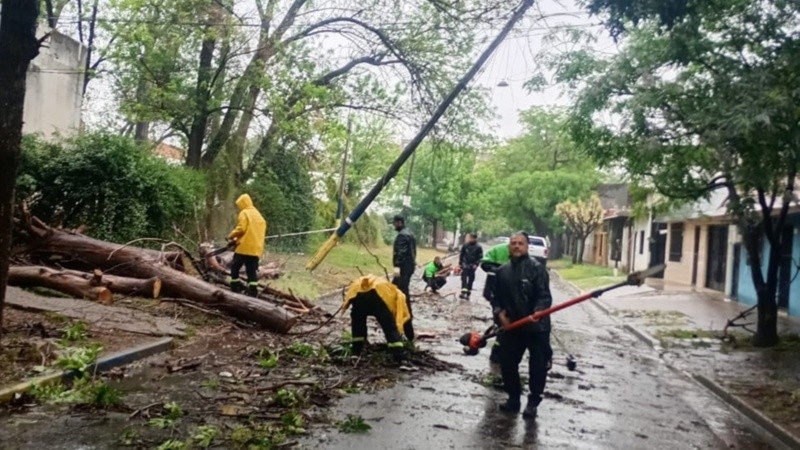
<point>248,237</point>
<point>377,297</point>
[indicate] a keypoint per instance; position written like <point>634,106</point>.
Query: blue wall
<point>747,292</point>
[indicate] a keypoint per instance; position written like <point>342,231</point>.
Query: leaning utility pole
<point>412,146</point>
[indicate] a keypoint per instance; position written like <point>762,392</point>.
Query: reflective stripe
<point>358,339</point>
<point>235,280</point>
<point>253,283</point>
<point>395,344</point>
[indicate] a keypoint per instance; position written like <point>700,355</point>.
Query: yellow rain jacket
<point>394,299</point>
<point>251,228</point>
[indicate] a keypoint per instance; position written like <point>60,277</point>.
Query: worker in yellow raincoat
<point>377,297</point>
<point>248,237</point>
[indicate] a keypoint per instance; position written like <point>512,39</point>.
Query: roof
<point>615,199</point>
<point>169,152</point>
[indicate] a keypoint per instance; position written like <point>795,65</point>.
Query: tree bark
<point>68,283</point>
<point>18,46</point>
<point>139,263</point>
<point>149,288</point>
<point>197,133</point>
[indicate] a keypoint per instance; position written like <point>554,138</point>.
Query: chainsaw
<point>474,341</point>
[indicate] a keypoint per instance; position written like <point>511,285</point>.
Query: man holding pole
<point>521,288</point>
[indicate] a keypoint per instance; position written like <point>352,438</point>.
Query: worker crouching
<point>435,275</point>
<point>377,297</point>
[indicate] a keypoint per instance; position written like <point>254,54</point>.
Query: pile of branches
<point>70,262</point>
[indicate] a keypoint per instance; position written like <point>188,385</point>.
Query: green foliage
<point>267,359</point>
<point>172,413</point>
<point>172,444</point>
<point>287,398</point>
<point>302,349</point>
<point>82,391</point>
<point>267,437</point>
<point>205,435</point>
<point>354,424</point>
<point>293,423</point>
<point>79,358</point>
<point>75,332</point>
<point>281,190</point>
<point>109,183</point>
<point>520,183</point>
<point>707,102</point>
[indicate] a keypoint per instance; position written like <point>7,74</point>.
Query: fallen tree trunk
<point>76,286</point>
<point>48,243</point>
<point>150,288</point>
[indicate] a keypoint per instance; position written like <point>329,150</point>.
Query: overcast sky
<point>514,62</point>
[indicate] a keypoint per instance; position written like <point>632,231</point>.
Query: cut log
<point>139,263</point>
<point>149,288</point>
<point>76,286</point>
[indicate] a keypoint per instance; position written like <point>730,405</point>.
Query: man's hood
<point>244,201</point>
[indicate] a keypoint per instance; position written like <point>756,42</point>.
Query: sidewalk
<point>685,327</point>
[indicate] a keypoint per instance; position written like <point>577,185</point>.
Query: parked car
<point>539,248</point>
<point>503,240</point>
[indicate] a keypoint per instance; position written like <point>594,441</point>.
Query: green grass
<point>585,276</point>
<point>343,264</point>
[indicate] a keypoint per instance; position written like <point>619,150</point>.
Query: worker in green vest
<point>492,260</point>
<point>432,276</point>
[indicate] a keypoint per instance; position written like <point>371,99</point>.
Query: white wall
<point>54,88</point>
<point>641,253</point>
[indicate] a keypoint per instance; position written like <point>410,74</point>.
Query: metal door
<point>717,257</point>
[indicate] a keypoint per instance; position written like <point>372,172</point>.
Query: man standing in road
<point>404,260</point>
<point>522,287</point>
<point>469,258</point>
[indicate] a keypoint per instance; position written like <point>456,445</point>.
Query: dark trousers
<point>467,278</point>
<point>403,282</point>
<point>514,344</point>
<point>435,283</point>
<point>370,304</point>
<point>250,264</point>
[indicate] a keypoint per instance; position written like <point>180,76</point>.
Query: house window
<point>675,242</point>
<point>641,242</point>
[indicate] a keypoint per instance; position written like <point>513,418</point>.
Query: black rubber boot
<point>510,406</point>
<point>237,287</point>
<point>252,290</point>
<point>530,411</point>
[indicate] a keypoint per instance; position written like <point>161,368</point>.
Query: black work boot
<point>236,286</point>
<point>494,356</point>
<point>530,411</point>
<point>511,405</point>
<point>252,290</point>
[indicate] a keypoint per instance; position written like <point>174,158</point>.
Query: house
<point>743,290</point>
<point>170,153</point>
<point>611,244</point>
<point>54,87</point>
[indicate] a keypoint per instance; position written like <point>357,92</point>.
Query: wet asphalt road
<point>621,396</point>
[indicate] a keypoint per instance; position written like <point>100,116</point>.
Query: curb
<point>609,311</point>
<point>643,336</point>
<point>109,362</point>
<point>777,431</point>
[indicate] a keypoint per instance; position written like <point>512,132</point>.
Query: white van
<point>539,248</point>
